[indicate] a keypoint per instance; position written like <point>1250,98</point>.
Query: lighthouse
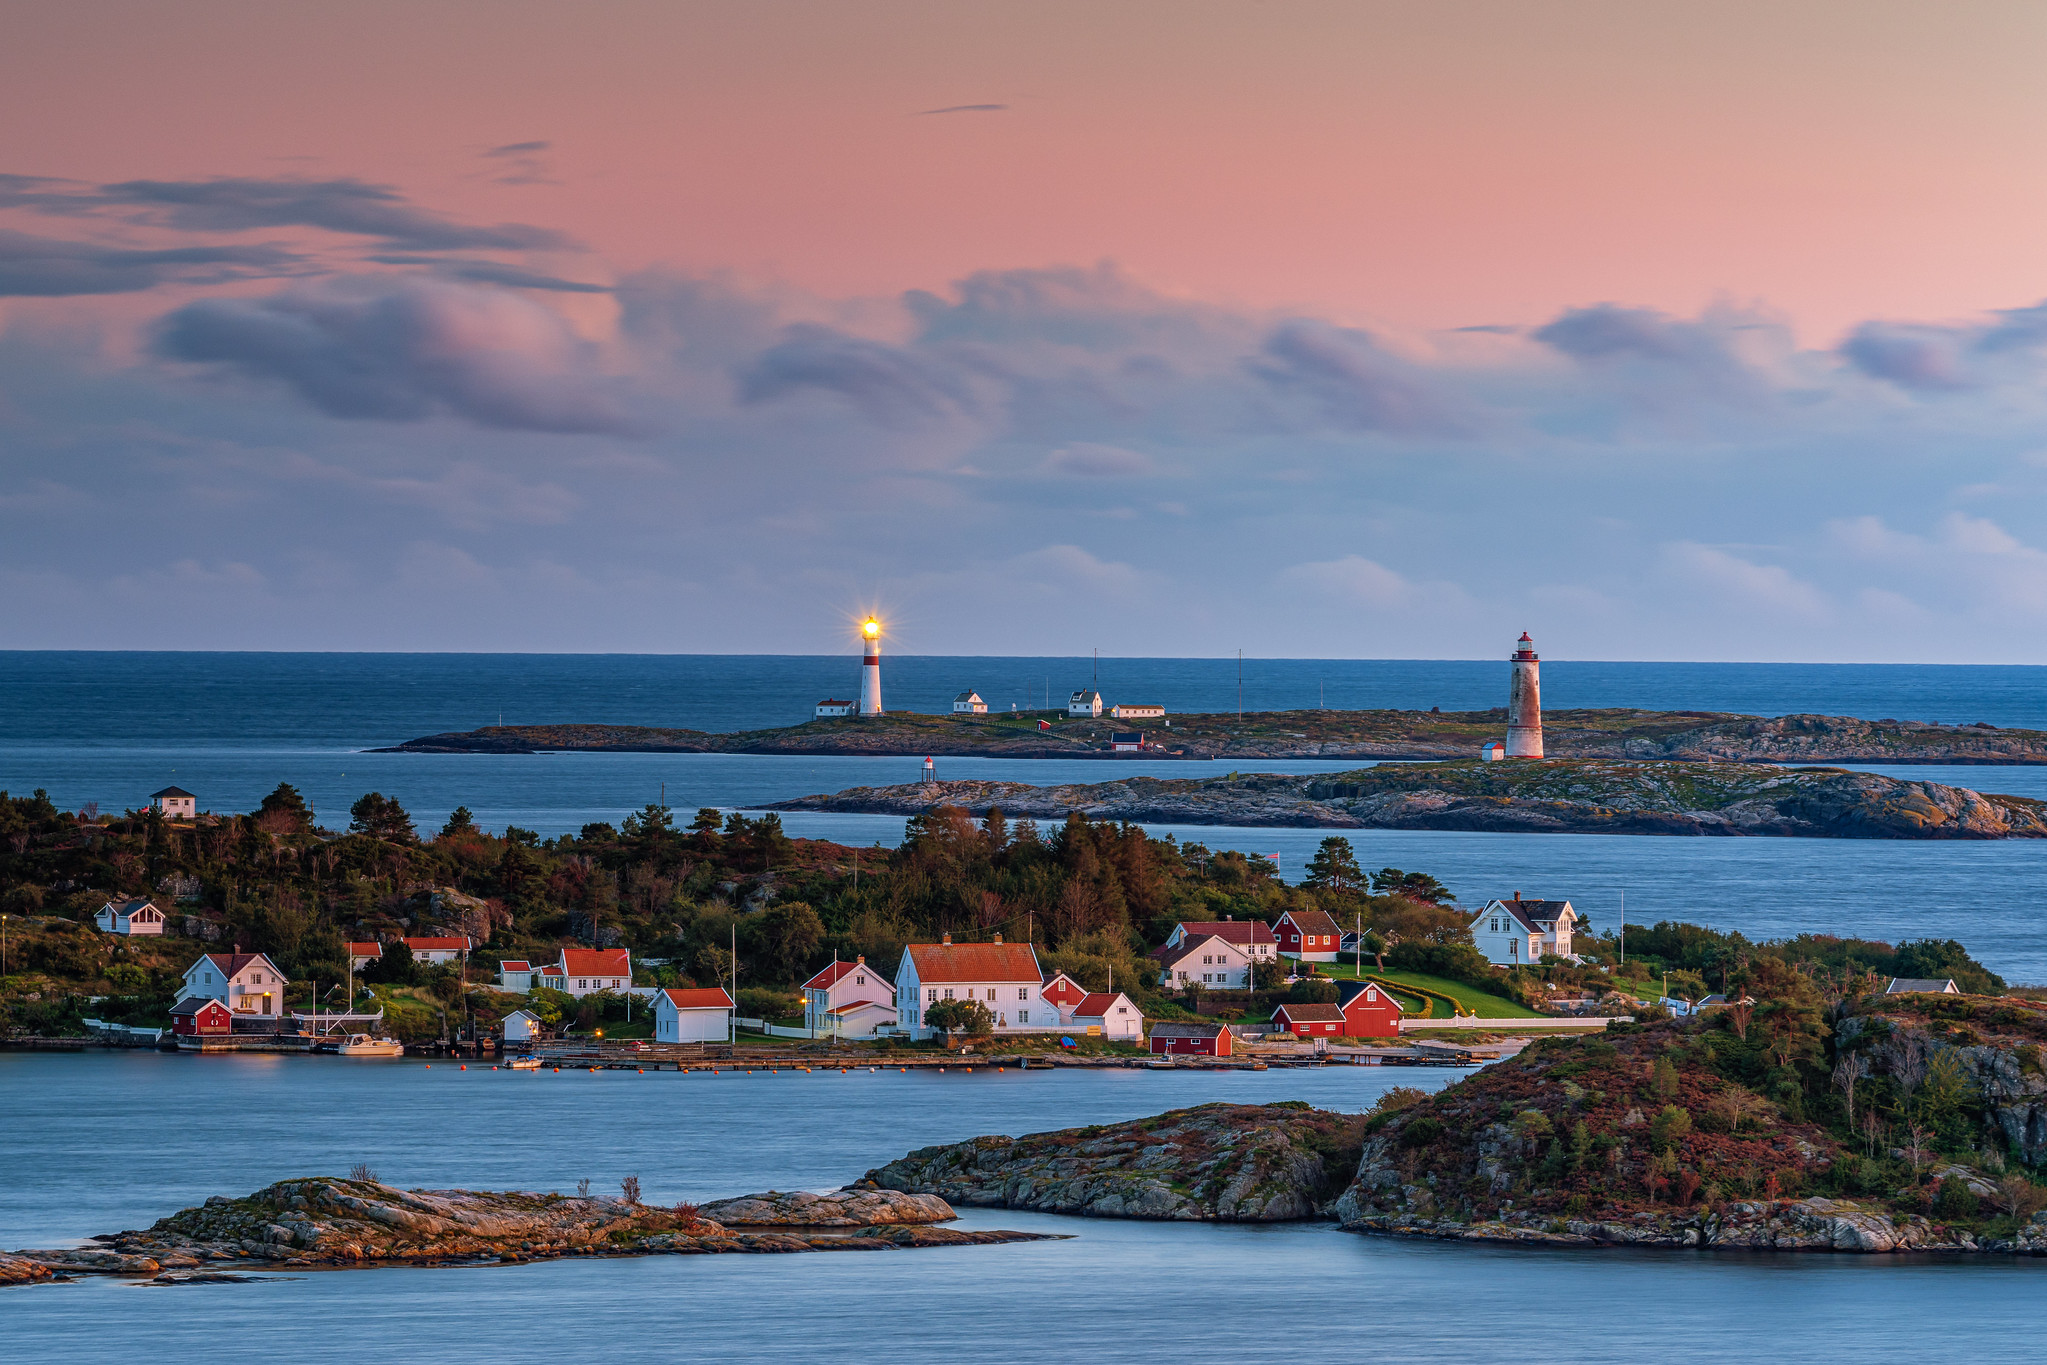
<point>1524,702</point>
<point>870,670</point>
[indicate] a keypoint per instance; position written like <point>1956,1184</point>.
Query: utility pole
<point>733,1013</point>
<point>1624,927</point>
<point>1240,687</point>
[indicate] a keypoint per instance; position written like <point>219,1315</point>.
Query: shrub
<point>1421,1132</point>
<point>361,1171</point>
<point>630,1188</point>
<point>970,1017</point>
<point>1313,990</point>
<point>1398,1098</point>
<point>1663,1079</point>
<point>1532,1125</point>
<point>1671,1126</point>
<point>1457,961</point>
<point>1955,1199</point>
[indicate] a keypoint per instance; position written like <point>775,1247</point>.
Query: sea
<point>99,1142</point>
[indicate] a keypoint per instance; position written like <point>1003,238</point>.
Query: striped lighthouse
<point>870,668</point>
<point>1524,702</point>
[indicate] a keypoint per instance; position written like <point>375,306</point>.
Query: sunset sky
<point>1361,329</point>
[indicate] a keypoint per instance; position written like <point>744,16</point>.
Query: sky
<point>1661,331</point>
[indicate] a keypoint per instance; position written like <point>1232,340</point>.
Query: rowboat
<point>524,1064</point>
<point>363,1045</point>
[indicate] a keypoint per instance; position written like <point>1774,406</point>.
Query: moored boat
<point>524,1064</point>
<point>363,1045</point>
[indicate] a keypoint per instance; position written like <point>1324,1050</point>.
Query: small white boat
<point>524,1064</point>
<point>363,1045</point>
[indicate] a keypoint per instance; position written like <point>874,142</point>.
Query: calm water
<point>1137,1291</point>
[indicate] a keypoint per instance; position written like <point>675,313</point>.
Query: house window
<point>1023,1016</point>
<point>991,992</point>
<point>948,992</point>
<point>859,980</point>
<point>1023,992</point>
<point>934,993</point>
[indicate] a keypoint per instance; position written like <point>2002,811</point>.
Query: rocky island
<point>1617,733</point>
<point>330,1222</point>
<point>1538,796</point>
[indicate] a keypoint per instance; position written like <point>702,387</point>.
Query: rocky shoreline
<point>1587,734</point>
<point>333,1223</point>
<point>1786,1225</point>
<point>1553,796</point>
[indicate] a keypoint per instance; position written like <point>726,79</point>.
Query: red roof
<point>1312,921</point>
<point>832,975</point>
<point>365,949</point>
<point>511,966</point>
<point>1237,931</point>
<point>1098,1005</point>
<point>594,962</point>
<point>1173,957</point>
<point>699,998</point>
<point>942,962</point>
<point>1310,1014</point>
<point>438,945</point>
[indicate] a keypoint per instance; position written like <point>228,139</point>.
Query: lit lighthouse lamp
<point>870,668</point>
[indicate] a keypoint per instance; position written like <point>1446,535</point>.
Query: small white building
<point>1207,961</point>
<point>831,708</point>
<point>439,950</point>
<point>1088,703</point>
<point>585,971</point>
<point>515,976</point>
<point>1919,985</point>
<point>129,918</point>
<point>361,954</point>
<point>1110,1014</point>
<point>1138,711</point>
<point>1514,933</point>
<point>1003,977</point>
<point>174,803</point>
<point>521,1026</point>
<point>1252,935</point>
<point>1492,751</point>
<point>692,1014</point>
<point>848,1000</point>
<point>247,983</point>
<point>969,703</point>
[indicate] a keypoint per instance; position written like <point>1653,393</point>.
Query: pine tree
<point>1335,866</point>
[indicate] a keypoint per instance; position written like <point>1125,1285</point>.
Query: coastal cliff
<point>1225,1163</point>
<point>1614,733</point>
<point>331,1222</point>
<point>1547,796</point>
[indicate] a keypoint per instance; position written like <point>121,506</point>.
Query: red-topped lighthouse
<point>1524,702</point>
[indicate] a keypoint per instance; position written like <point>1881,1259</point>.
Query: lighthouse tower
<point>1524,702</point>
<point>870,672</point>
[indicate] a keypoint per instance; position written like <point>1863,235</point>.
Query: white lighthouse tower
<point>870,671</point>
<point>1524,702</point>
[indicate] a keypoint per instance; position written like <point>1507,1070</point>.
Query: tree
<point>1335,866</point>
<point>970,1017</point>
<point>1416,886</point>
<point>1313,990</point>
<point>1375,945</point>
<point>1268,974</point>
<point>460,821</point>
<point>394,967</point>
<point>381,817</point>
<point>285,811</point>
<point>791,931</point>
<point>1671,1126</point>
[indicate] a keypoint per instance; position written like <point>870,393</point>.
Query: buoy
<point>643,1071</point>
<point>557,1071</point>
<point>493,1068</point>
<point>465,1066</point>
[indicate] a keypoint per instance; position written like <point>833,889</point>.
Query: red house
<point>1308,1021</point>
<point>1198,1040</point>
<point>1369,1010</point>
<point>1309,935</point>
<point>197,1016</point>
<point>1062,993</point>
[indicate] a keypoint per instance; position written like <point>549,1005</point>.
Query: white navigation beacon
<point>870,668</point>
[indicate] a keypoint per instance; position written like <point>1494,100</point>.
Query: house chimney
<point>945,938</point>
<point>860,961</point>
<point>998,938</point>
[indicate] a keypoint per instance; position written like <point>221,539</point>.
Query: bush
<point>1398,1098</point>
<point>1532,1125</point>
<point>761,1002</point>
<point>1421,1132</point>
<point>969,1017</point>
<point>1671,1126</point>
<point>1313,990</point>
<point>1455,961</point>
<point>1955,1199</point>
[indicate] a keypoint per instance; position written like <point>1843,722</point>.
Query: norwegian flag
<point>1272,858</point>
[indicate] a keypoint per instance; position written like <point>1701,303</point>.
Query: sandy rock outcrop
<point>1230,1163</point>
<point>333,1222</point>
<point>853,1207</point>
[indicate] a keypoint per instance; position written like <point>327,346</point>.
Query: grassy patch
<point>1482,1003</point>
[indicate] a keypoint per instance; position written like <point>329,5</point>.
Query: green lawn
<point>1482,1003</point>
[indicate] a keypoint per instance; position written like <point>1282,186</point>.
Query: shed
<point>1196,1040</point>
<point>1921,985</point>
<point>174,803</point>
<point>521,1026</point>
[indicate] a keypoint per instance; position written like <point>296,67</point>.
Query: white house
<point>1251,935</point>
<point>701,1014</point>
<point>174,803</point>
<point>584,971</point>
<point>129,917</point>
<point>521,1026</point>
<point>1004,977</point>
<point>361,954</point>
<point>515,976</point>
<point>1513,933</point>
<point>1138,711</point>
<point>969,703</point>
<point>849,1000</point>
<point>1110,1014</point>
<point>247,983</point>
<point>1088,703</point>
<point>438,950</point>
<point>832,707</point>
<point>1208,961</point>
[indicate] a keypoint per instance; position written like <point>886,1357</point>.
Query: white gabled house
<point>515,976</point>
<point>848,1000</point>
<point>1003,977</point>
<point>174,803</point>
<point>1514,933</point>
<point>438,950</point>
<point>585,971</point>
<point>832,708</point>
<point>969,703</point>
<point>129,918</point>
<point>247,983</point>
<point>1208,960</point>
<point>699,1014</point>
<point>521,1026</point>
<point>362,952</point>
<point>1252,935</point>
<point>1087,702</point>
<point>1110,1014</point>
